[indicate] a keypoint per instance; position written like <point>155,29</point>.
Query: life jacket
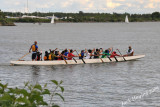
<point>50,57</point>
<point>34,48</point>
<point>81,55</point>
<point>45,58</point>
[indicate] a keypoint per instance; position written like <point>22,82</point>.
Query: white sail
<point>52,20</point>
<point>126,20</point>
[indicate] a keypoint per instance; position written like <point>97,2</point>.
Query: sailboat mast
<point>27,7</point>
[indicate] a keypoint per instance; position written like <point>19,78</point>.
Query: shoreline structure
<point>81,17</point>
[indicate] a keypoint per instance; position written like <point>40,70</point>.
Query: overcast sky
<point>106,6</point>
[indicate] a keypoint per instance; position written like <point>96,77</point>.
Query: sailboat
<point>52,20</point>
<point>126,19</point>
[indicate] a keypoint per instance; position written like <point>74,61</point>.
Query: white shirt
<point>130,51</point>
<point>87,55</point>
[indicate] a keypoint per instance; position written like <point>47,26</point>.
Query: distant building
<point>25,16</point>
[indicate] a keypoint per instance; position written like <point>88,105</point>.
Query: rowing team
<point>67,54</point>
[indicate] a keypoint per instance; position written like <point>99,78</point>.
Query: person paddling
<point>66,53</point>
<point>46,56</point>
<point>105,54</point>
<point>89,53</point>
<point>71,55</point>
<point>96,54</point>
<point>114,54</point>
<point>81,55</point>
<point>34,49</point>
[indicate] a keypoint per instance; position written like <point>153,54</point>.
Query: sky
<point>74,6</point>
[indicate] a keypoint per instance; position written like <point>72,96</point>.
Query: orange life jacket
<point>45,58</point>
<point>50,57</point>
<point>34,48</point>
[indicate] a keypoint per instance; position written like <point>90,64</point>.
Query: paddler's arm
<point>55,49</point>
<point>101,50</point>
<point>118,55</point>
<point>74,50</point>
<point>74,55</point>
<point>65,56</point>
<point>30,49</point>
<point>93,50</point>
<point>85,50</point>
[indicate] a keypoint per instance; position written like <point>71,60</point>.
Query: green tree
<point>30,95</point>
<point>155,15</point>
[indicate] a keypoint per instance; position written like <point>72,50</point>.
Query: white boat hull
<point>79,61</point>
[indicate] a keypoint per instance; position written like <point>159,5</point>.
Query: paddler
<point>96,54</point>
<point>105,54</point>
<point>89,53</point>
<point>81,55</point>
<point>114,54</point>
<point>66,53</point>
<point>71,55</point>
<point>34,49</point>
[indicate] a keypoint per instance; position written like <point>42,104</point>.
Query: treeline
<point>29,20</point>
<point>88,17</point>
<point>4,21</point>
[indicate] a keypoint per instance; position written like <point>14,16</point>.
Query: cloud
<point>109,6</point>
<point>150,5</point>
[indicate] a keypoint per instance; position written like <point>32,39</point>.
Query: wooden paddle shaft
<point>23,56</point>
<point>82,58</point>
<point>121,55</point>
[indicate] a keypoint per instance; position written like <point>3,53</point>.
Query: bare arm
<point>93,50</point>
<point>55,49</point>
<point>85,50</point>
<point>30,49</point>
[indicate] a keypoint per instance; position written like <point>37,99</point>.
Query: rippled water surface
<point>89,85</point>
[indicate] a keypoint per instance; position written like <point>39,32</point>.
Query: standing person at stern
<point>34,49</point>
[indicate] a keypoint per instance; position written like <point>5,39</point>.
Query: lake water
<point>89,85</point>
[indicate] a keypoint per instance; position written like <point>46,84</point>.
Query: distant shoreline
<point>86,22</point>
<point>7,24</point>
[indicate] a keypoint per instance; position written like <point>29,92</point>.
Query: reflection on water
<point>35,68</point>
<point>35,74</point>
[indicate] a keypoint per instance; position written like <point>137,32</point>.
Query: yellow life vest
<point>50,57</point>
<point>80,55</point>
<point>33,48</point>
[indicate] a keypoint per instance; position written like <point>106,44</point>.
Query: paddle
<point>82,58</point>
<point>100,58</point>
<point>114,56</point>
<point>121,55</point>
<point>23,56</point>
<point>75,60</point>
<point>62,57</point>
<point>109,58</point>
<point>41,55</point>
<point>64,60</point>
<point>116,59</point>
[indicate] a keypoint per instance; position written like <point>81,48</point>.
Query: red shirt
<point>70,55</point>
<point>113,55</point>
